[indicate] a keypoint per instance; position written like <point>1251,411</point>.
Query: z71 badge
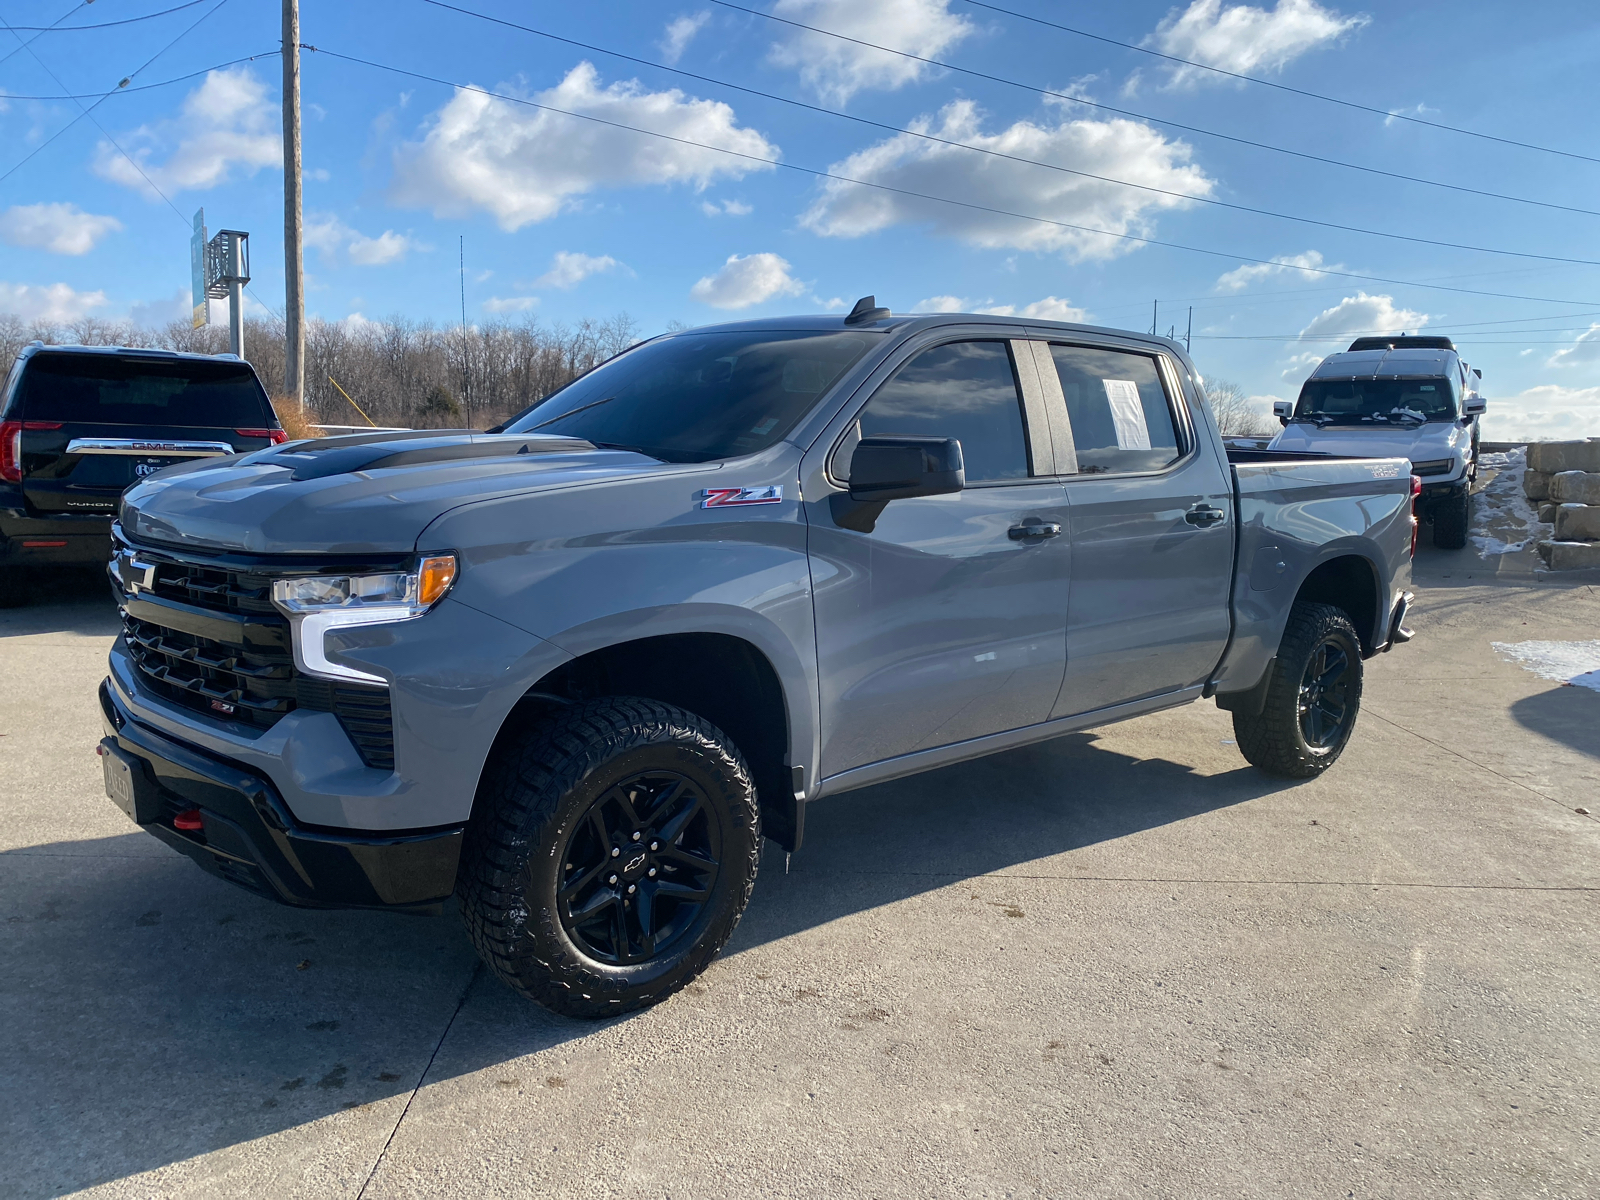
<point>729,497</point>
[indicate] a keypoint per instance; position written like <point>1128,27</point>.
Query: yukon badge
<point>728,497</point>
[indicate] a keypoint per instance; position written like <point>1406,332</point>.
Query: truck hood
<point>1419,443</point>
<point>365,494</point>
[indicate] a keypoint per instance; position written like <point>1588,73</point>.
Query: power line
<point>928,137</point>
<point>9,54</point>
<point>820,174</point>
<point>1123,112</point>
<point>1387,114</point>
<point>126,80</point>
<point>143,87</point>
<point>59,28</point>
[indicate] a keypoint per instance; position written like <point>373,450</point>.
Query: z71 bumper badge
<point>728,497</point>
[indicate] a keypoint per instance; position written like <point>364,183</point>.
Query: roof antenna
<point>866,311</point>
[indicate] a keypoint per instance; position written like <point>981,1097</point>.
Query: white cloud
<point>506,304</point>
<point>1242,277</point>
<point>228,121</point>
<point>569,270</point>
<point>728,208</point>
<point>835,70</point>
<point>747,280</point>
<point>58,228</point>
<point>335,240</point>
<point>52,303</point>
<point>525,165</point>
<point>1544,413</point>
<point>1051,308</point>
<point>1585,349</point>
<point>1120,149</point>
<point>1419,110</point>
<point>1243,39</point>
<point>154,314</point>
<point>680,32</point>
<point>833,305</point>
<point>1363,314</point>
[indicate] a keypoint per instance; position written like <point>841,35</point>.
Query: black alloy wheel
<point>639,869</point>
<point>1325,695</point>
<point>1312,696</point>
<point>612,848</point>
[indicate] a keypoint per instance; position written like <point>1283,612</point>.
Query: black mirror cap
<point>900,468</point>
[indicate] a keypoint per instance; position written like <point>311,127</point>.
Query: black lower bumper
<point>1440,493</point>
<point>64,539</point>
<point>248,837</point>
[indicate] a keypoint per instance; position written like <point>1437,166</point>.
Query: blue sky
<point>565,218</point>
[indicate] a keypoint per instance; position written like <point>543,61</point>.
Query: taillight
<point>11,451</point>
<point>1416,493</point>
<point>275,435</point>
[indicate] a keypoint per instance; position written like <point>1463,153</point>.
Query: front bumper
<point>248,837</point>
<point>1439,493</point>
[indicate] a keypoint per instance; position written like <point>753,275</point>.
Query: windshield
<point>696,397</point>
<point>1377,401</point>
<point>101,388</point>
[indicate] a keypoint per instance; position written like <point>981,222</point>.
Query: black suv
<point>78,424</point>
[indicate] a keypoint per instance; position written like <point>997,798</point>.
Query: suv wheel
<point>1312,698</point>
<point>611,852</point>
<point>1450,521</point>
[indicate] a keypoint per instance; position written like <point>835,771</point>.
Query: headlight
<point>316,604</point>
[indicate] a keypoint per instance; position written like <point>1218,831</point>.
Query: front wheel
<point>1312,699</point>
<point>611,852</point>
<point>1450,520</point>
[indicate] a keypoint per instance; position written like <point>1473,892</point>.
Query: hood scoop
<point>367,452</point>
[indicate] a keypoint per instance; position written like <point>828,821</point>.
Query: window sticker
<point>1127,414</point>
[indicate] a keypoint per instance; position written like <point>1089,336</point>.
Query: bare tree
<point>1236,416</point>
<point>389,368</point>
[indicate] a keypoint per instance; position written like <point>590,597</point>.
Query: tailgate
<point>85,468</point>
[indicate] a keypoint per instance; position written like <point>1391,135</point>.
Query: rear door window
<point>107,390</point>
<point>964,390</point>
<point>1121,419</point>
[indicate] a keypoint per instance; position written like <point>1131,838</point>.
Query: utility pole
<point>294,308</point>
<point>466,377</point>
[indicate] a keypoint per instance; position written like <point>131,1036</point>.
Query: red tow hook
<point>188,820</point>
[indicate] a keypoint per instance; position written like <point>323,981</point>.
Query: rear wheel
<point>1450,520</point>
<point>1312,699</point>
<point>611,852</point>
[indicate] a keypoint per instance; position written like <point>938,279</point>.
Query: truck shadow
<point>60,600</point>
<point>155,1014</point>
<point>1570,715</point>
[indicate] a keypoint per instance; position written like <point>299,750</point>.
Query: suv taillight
<point>276,435</point>
<point>1416,493</point>
<point>11,446</point>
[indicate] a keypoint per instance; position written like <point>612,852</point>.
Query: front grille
<point>247,676</point>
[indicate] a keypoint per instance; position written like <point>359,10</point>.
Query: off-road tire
<point>1274,740</point>
<point>1450,521</point>
<point>535,794</point>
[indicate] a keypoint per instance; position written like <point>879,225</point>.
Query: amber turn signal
<point>435,578</point>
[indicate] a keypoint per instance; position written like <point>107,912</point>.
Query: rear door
<point>96,423</point>
<point>945,619</point>
<point>1152,530</point>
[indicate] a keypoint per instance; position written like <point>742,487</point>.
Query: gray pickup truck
<point>573,670</point>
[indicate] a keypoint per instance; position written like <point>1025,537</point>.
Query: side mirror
<point>1473,406</point>
<point>1282,409</point>
<point>900,468</point>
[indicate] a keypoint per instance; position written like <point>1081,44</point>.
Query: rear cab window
<point>96,389</point>
<point>1118,408</point>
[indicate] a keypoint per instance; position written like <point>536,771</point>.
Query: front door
<point>946,620</point>
<point>1152,533</point>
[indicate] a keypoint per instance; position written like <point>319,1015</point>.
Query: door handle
<point>1204,515</point>
<point>1034,529</point>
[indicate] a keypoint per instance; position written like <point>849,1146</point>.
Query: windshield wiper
<point>569,413</point>
<point>622,446</point>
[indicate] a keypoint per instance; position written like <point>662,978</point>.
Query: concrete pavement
<point>1119,964</point>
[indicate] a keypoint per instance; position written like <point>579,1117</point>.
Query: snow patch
<point>1503,521</point>
<point>1577,663</point>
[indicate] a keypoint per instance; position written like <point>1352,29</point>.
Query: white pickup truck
<point>1397,397</point>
